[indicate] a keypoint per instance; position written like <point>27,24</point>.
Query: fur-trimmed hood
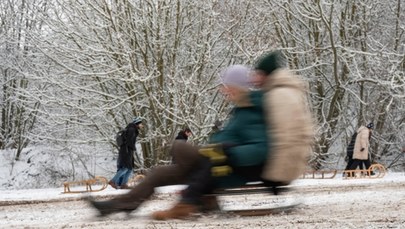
<point>283,78</point>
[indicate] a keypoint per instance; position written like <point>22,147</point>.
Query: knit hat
<point>370,125</point>
<point>236,75</point>
<point>270,62</point>
<point>136,120</point>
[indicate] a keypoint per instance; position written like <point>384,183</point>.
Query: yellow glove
<point>214,153</point>
<point>220,171</point>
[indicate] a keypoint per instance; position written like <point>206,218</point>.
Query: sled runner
<point>278,199</point>
<point>277,206</point>
<point>265,211</point>
<point>320,174</point>
<point>96,184</point>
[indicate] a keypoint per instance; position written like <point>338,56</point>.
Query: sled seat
<point>222,169</point>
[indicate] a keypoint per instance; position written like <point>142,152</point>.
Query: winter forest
<point>75,72</point>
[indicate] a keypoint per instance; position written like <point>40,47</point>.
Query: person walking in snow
<point>349,153</point>
<point>361,147</point>
<point>125,162</point>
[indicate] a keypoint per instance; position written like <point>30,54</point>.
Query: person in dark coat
<point>184,134</point>
<point>125,162</point>
<point>349,152</point>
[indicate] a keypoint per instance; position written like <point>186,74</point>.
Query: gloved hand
<point>214,152</point>
<point>362,149</point>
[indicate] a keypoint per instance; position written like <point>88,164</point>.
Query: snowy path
<point>333,203</point>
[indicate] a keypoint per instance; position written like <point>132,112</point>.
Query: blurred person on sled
<point>274,149</point>
<point>248,148</point>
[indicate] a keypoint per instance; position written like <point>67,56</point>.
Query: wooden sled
<point>375,171</point>
<point>100,182</point>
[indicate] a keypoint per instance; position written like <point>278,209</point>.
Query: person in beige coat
<point>288,117</point>
<point>361,147</point>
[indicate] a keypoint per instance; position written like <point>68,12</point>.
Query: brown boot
<point>112,206</point>
<point>209,203</point>
<point>179,211</point>
<point>112,184</point>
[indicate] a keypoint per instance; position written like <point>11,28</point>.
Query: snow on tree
<point>76,72</point>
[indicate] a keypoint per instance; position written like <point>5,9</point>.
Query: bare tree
<point>20,62</point>
<point>75,72</point>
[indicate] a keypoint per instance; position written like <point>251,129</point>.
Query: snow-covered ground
<point>326,203</point>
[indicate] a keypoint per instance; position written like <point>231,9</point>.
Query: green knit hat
<point>270,62</point>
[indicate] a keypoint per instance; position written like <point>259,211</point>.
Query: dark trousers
<point>200,182</point>
<point>350,165</point>
<point>187,159</point>
<point>354,163</point>
<point>359,163</point>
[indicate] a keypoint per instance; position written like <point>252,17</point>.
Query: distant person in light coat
<point>361,146</point>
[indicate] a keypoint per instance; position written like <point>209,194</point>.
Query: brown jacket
<point>290,127</point>
<point>362,141</point>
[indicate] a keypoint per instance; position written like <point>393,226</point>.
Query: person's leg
<point>125,177</point>
<point>349,164</point>
<point>117,177</point>
<point>354,166</point>
<point>361,165</point>
<point>187,157</point>
<point>367,165</point>
<point>199,182</point>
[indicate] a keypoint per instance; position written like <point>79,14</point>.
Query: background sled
<point>375,171</point>
<point>96,184</point>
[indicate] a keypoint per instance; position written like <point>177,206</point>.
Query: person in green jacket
<point>243,139</point>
